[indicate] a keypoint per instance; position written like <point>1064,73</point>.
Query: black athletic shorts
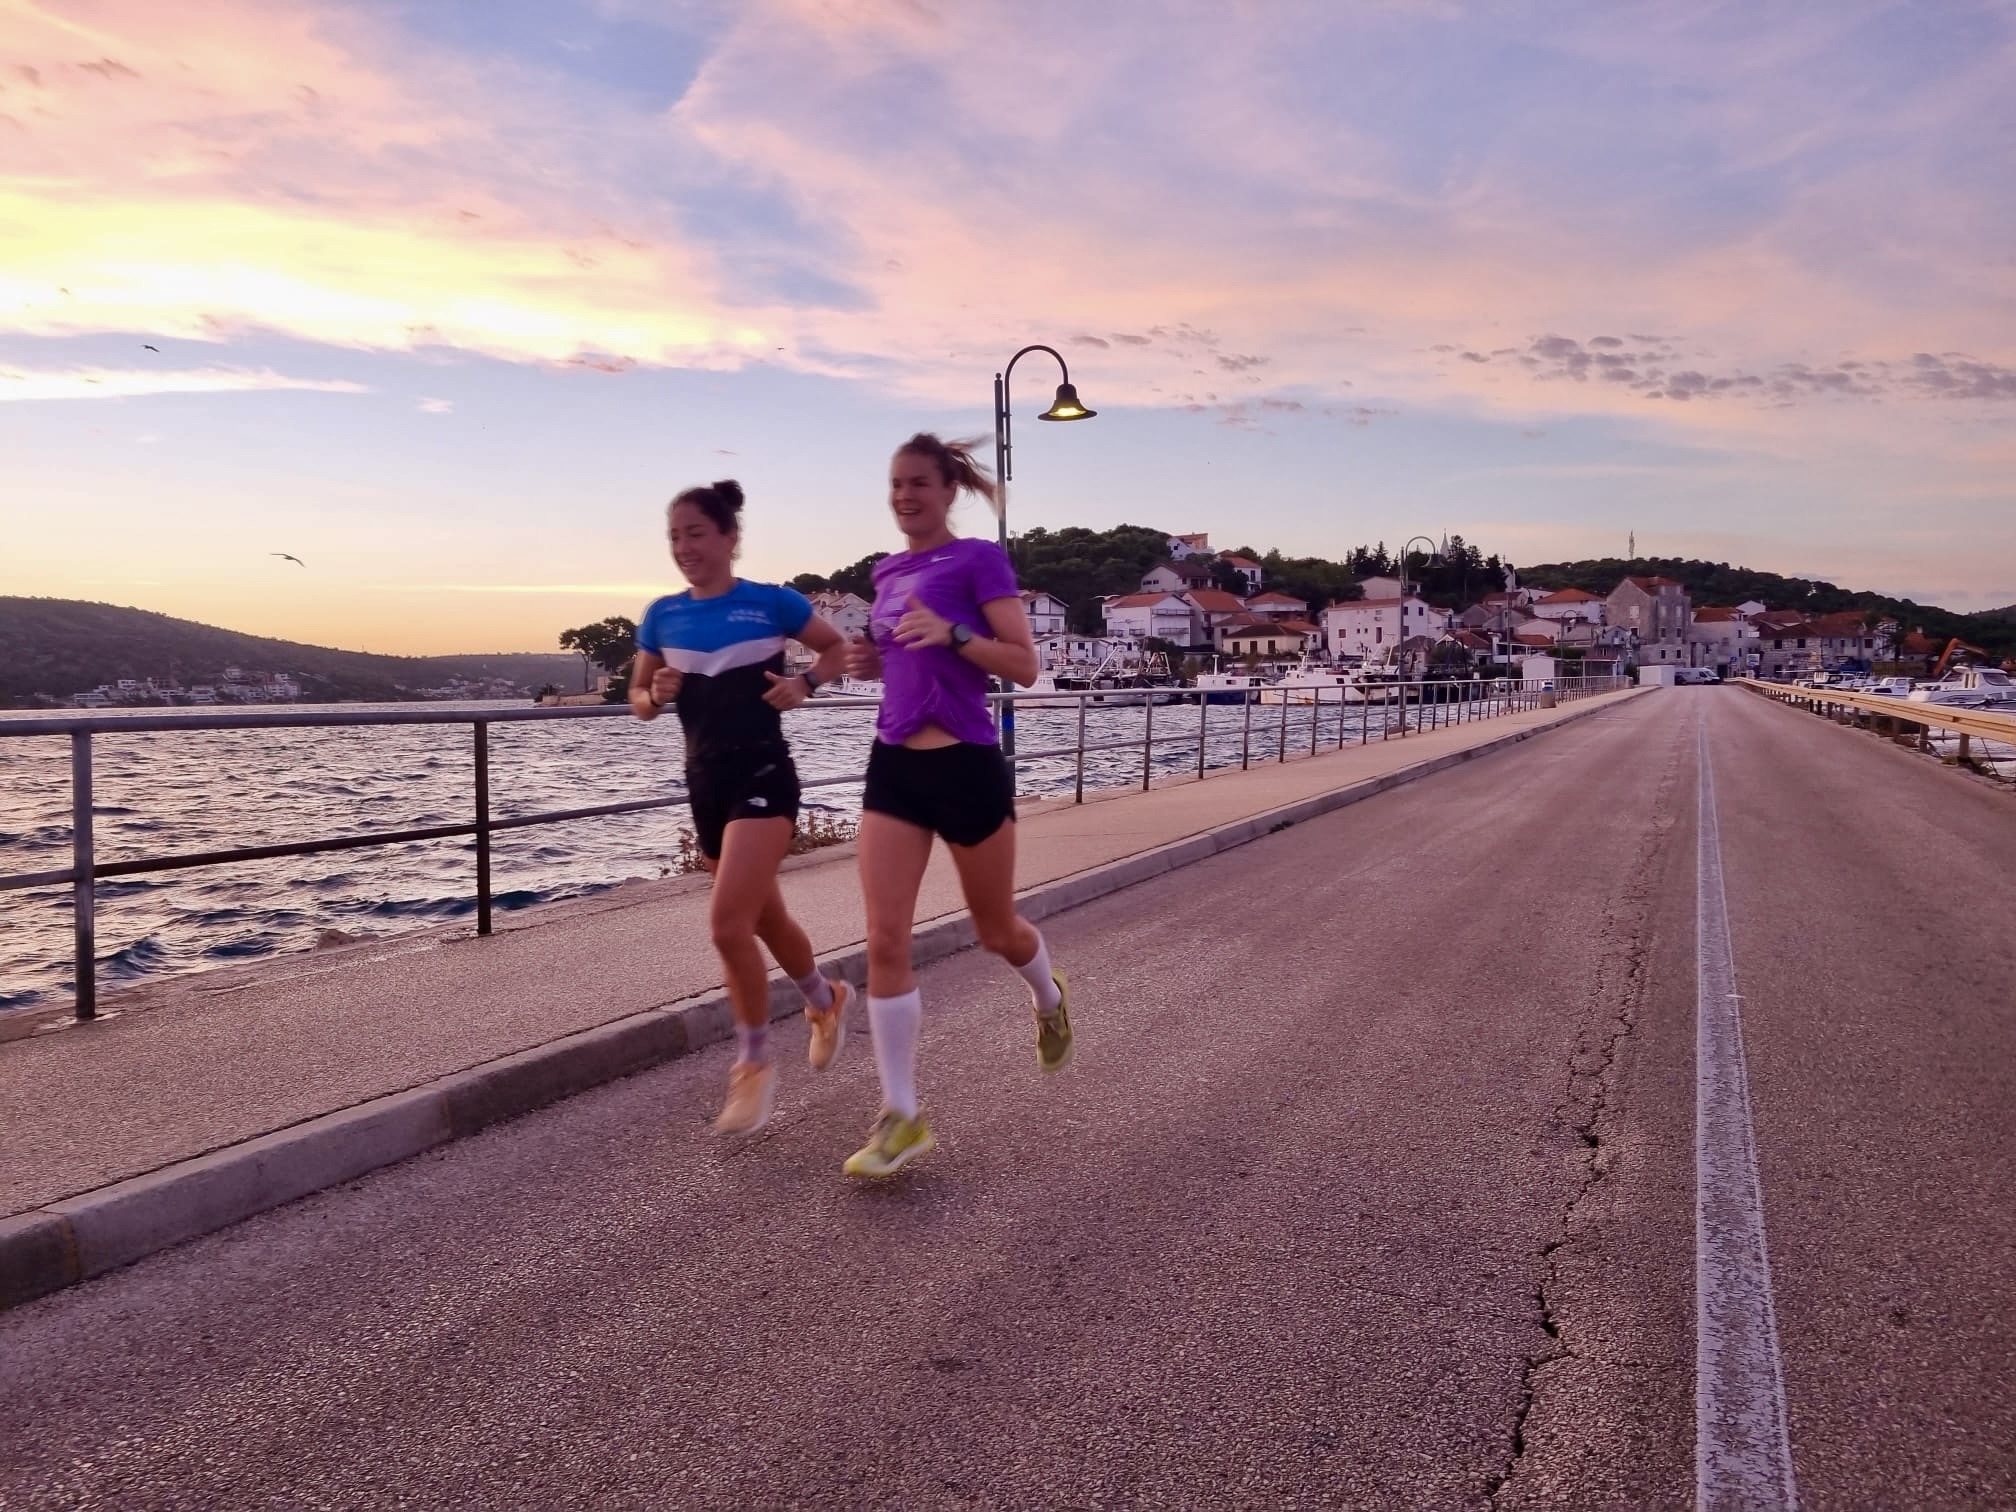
<point>962,793</point>
<point>739,785</point>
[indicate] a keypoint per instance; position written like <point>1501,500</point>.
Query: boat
<point>1227,687</point>
<point>1970,687</point>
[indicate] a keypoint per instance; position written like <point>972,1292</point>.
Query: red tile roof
<point>1216,600</point>
<point>1652,584</point>
<point>1136,600</point>
<point>1275,596</point>
<point>1716,615</point>
<point>1572,596</point>
<point>1239,561</point>
<point>1302,627</point>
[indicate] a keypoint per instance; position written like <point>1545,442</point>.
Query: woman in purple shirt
<point>947,617</point>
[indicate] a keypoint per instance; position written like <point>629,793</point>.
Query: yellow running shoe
<point>1053,1030</point>
<point>752,1092</point>
<point>829,1029</point>
<point>893,1142</point>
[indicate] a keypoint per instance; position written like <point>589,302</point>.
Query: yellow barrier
<point>1979,722</point>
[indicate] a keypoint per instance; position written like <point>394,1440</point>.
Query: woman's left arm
<point>1010,655</point>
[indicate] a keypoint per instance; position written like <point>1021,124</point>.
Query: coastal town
<point>1179,619</point>
<point>1207,618</point>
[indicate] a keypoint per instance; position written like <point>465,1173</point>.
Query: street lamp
<point>1434,560</point>
<point>1064,407</point>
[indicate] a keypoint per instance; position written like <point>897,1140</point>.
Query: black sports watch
<point>961,635</point>
<point>811,682</point>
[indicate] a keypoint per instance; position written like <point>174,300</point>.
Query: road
<point>1372,1185</point>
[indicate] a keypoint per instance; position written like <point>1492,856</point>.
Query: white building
<point>1372,629</point>
<point>1276,605</point>
<point>1379,587</point>
<point>1189,546</point>
<point>1570,605</point>
<point>846,612</point>
<point>1178,576</point>
<point>1046,611</point>
<point>1167,616</point>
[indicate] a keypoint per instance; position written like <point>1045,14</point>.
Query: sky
<point>448,297</point>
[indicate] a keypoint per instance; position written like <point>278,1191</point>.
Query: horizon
<point>447,300</point>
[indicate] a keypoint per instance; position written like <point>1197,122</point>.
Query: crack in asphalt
<point>1620,980</point>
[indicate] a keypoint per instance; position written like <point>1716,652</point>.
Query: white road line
<point>1742,1433</point>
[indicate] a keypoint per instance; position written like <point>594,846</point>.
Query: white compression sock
<point>1036,972</point>
<point>817,990</point>
<point>894,1022</point>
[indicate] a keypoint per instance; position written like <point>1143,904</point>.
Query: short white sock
<point>1042,984</point>
<point>818,991</point>
<point>895,1021</point>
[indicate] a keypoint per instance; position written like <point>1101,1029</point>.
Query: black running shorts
<point>740,785</point>
<point>962,793</point>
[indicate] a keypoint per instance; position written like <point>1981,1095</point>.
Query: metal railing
<point>1902,714</point>
<point>1402,709</point>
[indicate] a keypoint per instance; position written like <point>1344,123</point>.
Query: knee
<point>732,927</point>
<point>888,947</point>
<point>1003,937</point>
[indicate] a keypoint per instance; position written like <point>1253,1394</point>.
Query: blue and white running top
<point>724,645</point>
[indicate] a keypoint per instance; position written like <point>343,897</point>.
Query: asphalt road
<point>1372,1186</point>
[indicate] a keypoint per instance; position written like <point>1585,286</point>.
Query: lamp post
<point>1434,558</point>
<point>1064,407</point>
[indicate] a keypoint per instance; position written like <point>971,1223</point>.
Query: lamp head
<point>1066,406</point>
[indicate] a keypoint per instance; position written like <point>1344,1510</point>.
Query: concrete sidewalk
<point>204,1099</point>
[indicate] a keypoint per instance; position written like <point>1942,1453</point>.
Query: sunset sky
<point>450,295</point>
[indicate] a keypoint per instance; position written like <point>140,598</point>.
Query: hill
<point>1719,583</point>
<point>57,648</point>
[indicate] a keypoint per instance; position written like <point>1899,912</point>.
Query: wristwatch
<point>811,682</point>
<point>961,634</point>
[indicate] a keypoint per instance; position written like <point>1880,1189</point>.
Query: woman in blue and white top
<point>716,654</point>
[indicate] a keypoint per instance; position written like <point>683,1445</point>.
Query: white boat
<point>858,687</point>
<point>1975,687</point>
<point>1307,683</point>
<point>1227,687</point>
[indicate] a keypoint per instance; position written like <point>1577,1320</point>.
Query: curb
<point>63,1243</point>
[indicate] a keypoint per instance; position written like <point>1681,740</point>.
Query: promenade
<point>1374,1185</point>
<point>560,998</point>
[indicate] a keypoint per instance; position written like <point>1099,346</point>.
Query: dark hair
<point>955,464</point>
<point>720,502</point>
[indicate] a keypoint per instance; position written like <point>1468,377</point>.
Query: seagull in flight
<point>289,557</point>
<point>154,349</point>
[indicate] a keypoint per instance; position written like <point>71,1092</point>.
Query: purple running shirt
<point>935,685</point>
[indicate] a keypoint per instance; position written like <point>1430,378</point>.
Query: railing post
<point>1246,734</point>
<point>1315,717</point>
<point>482,727</point>
<point>1281,740</point>
<point>1203,721</point>
<point>1364,714</point>
<point>84,886</point>
<point>1148,741</point>
<point>1078,796</point>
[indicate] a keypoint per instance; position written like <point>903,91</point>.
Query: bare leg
<point>745,878</point>
<point>987,877</point>
<point>790,946</point>
<point>893,857</point>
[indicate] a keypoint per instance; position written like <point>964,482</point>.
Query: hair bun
<point>729,492</point>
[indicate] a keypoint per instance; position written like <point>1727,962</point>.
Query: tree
<point>1224,575</point>
<point>609,644</point>
<point>859,579</point>
<point>810,582</point>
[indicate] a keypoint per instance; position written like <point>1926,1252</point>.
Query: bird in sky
<point>146,348</point>
<point>289,557</point>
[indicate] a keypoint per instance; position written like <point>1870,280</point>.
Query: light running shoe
<point>1053,1029</point>
<point>893,1142</point>
<point>829,1029</point>
<point>752,1093</point>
